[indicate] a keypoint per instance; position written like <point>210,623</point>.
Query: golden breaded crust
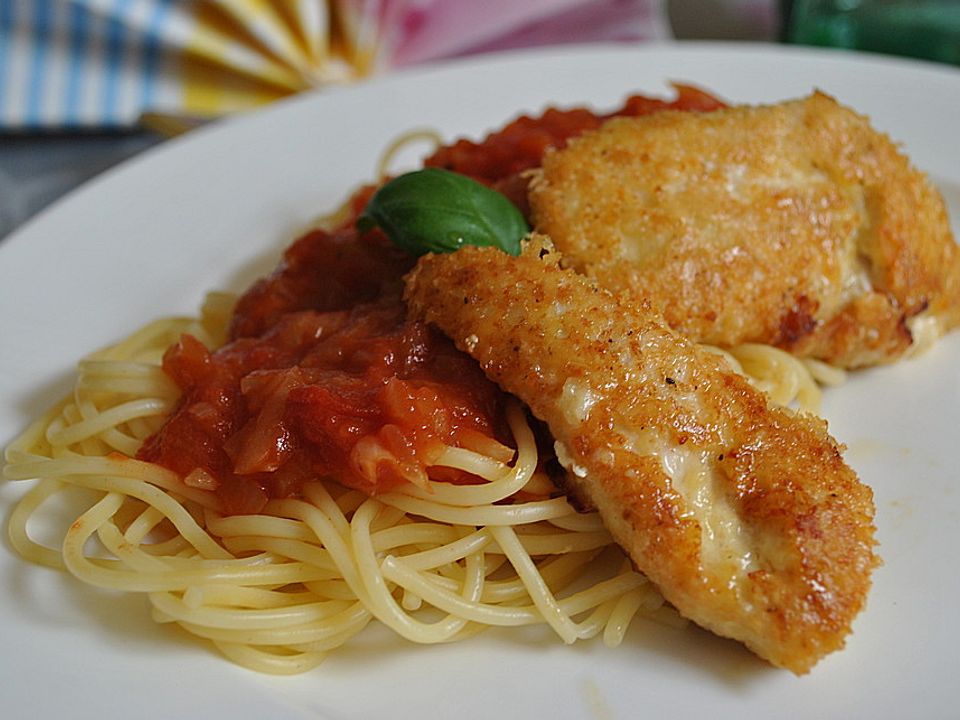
<point>796,225</point>
<point>745,516</point>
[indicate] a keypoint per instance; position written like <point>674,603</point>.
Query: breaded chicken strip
<point>796,225</point>
<point>745,516</point>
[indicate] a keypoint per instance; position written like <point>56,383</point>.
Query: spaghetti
<point>278,590</point>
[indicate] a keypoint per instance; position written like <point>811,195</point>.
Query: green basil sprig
<point>439,211</point>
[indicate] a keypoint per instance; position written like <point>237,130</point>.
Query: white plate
<point>209,210</point>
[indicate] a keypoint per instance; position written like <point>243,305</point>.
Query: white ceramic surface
<point>215,207</point>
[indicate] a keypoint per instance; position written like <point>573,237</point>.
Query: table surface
<point>37,170</point>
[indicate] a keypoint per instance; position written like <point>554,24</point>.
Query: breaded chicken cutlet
<point>796,225</point>
<point>744,515</point>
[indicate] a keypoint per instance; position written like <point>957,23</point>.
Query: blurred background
<point>85,84</point>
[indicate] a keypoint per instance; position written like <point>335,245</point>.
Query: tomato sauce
<point>324,376</point>
<point>501,158</point>
<point>313,386</point>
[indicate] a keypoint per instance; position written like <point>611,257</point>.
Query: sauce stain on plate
<point>595,701</point>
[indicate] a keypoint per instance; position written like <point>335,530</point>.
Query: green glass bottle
<point>928,29</point>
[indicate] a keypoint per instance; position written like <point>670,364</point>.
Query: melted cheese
<point>726,545</point>
<point>925,329</point>
<point>576,401</point>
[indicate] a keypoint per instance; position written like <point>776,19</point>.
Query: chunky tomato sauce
<point>324,376</point>
<point>501,158</point>
<point>322,381</point>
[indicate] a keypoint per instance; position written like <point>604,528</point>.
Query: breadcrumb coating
<point>796,225</point>
<point>744,515</point>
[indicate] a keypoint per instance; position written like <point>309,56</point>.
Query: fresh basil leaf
<point>439,211</point>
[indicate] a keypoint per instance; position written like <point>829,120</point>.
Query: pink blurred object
<point>406,32</point>
<point>68,64</point>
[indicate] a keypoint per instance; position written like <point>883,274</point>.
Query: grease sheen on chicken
<point>796,225</point>
<point>744,515</point>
